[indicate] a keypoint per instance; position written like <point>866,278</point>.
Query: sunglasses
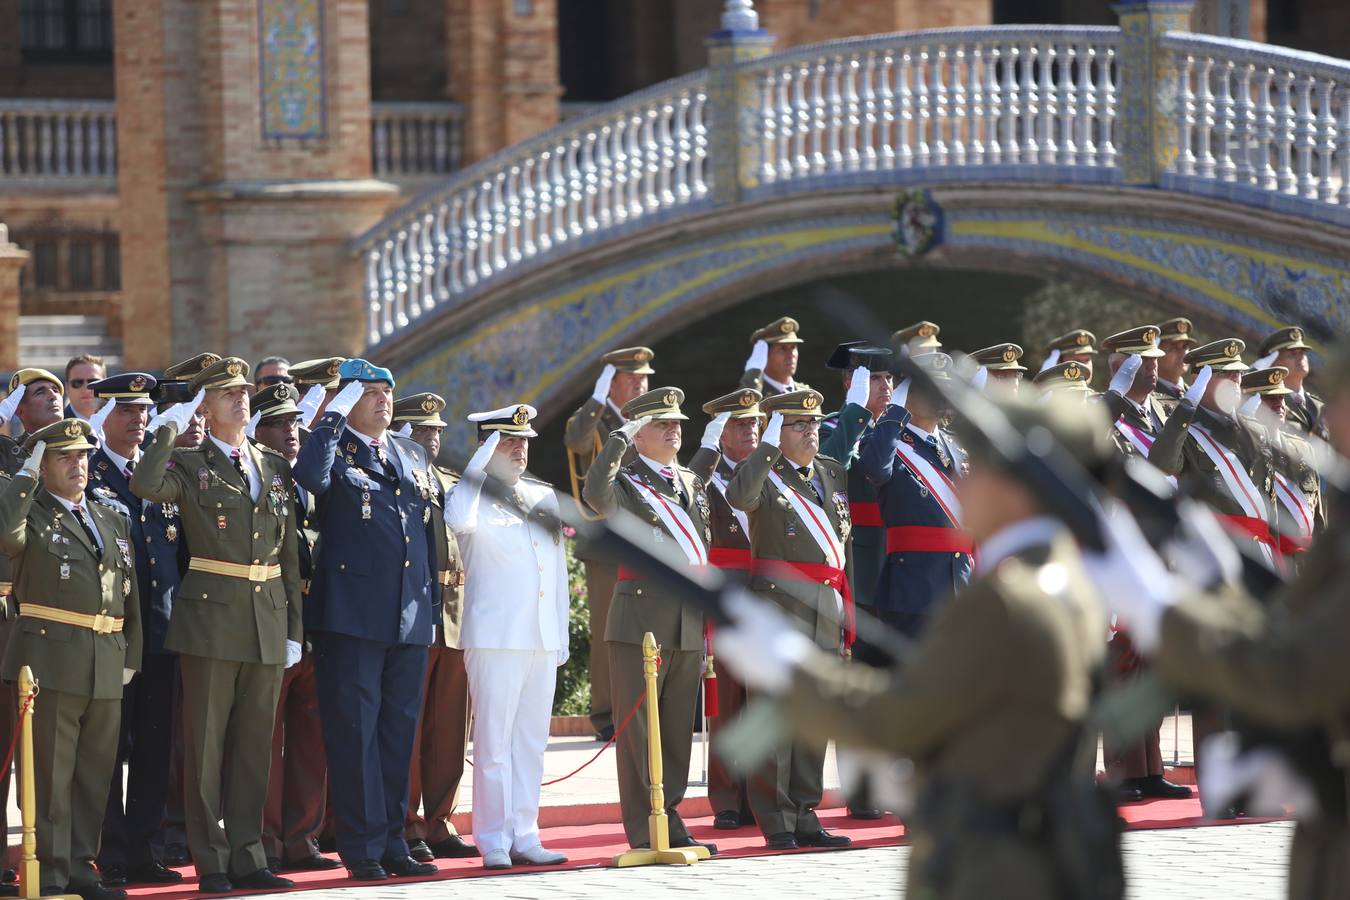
<point>276,379</point>
<point>82,382</point>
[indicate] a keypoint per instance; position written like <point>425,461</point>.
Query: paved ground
<point>1240,861</point>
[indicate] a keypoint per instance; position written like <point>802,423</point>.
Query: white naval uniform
<point>514,636</point>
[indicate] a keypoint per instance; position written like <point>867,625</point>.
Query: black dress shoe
<point>783,840</point>
<point>214,884</point>
<point>176,855</point>
<point>262,880</point>
<point>315,863</point>
<point>114,875</point>
<point>366,870</point>
<point>605,734</point>
<point>727,820</point>
<point>274,863</point>
<point>419,851</point>
<point>1157,786</point>
<point>407,867</point>
<point>1128,793</point>
<point>96,891</point>
<point>690,842</point>
<point>454,847</point>
<point>822,838</point>
<point>864,813</point>
<point>152,873</point>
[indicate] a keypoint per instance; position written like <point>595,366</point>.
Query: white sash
<point>938,484</point>
<point>1141,441</point>
<point>676,520</point>
<point>1293,498</point>
<point>721,484</point>
<point>1233,472</point>
<point>817,523</point>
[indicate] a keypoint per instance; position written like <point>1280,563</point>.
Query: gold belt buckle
<point>257,572</point>
<point>103,624</point>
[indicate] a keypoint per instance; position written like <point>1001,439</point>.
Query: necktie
<point>383,460</point>
<point>88,529</point>
<point>669,475</point>
<point>239,467</point>
<point>806,473</point>
<point>131,467</point>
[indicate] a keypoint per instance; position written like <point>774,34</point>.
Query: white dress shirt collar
<point>88,516</point>
<point>118,460</point>
<point>778,385</point>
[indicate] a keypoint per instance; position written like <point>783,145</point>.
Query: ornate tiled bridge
<point>1211,173</point>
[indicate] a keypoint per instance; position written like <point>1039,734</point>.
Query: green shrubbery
<point>572,697</point>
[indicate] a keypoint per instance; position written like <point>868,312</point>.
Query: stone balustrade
<point>58,139</point>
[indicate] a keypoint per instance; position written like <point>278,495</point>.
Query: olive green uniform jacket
<point>993,693</point>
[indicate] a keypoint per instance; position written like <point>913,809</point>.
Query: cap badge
<point>1149,336</point>
<point>428,405</point>
<point>810,402</point>
<point>521,416</point>
<point>747,398</point>
<point>1231,349</point>
<point>926,331</point>
<point>642,356</point>
<point>788,327</point>
<point>670,399</point>
<point>1082,340</point>
<point>1009,355</point>
<point>1071,372</point>
<point>1295,334</point>
<point>1276,376</point>
<point>73,429</point>
<point>233,369</point>
<point>137,383</point>
<point>333,369</point>
<point>1183,327</point>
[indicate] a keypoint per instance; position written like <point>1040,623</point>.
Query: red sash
<point>817,573</point>
<point>729,557</point>
<point>928,539</point>
<point>1292,543</point>
<point>865,514</point>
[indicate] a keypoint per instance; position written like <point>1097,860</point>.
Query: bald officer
<point>623,378</point>
<point>79,630</point>
<point>236,620</point>
<point>370,614</point>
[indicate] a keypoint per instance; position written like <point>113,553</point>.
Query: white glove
<point>478,462</point>
<point>10,403</point>
<point>252,427</point>
<point>759,357</point>
<point>900,394</point>
<point>633,426</point>
<point>309,404</point>
<point>760,646</point>
<point>99,417</point>
<point>1131,579</point>
<point>1266,361</point>
<point>127,675</point>
<point>602,383</point>
<point>1197,390</point>
<point>1051,360</point>
<point>406,430</point>
<point>860,388</point>
<point>179,416</point>
<point>774,433</point>
<point>34,460</point>
<point>980,379</point>
<point>712,434</point>
<point>1251,406</point>
<point>1123,380</point>
<point>293,649</point>
<point>346,398</point>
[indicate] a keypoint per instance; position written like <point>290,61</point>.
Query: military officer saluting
<point>1002,367</point>
<point>773,358</point>
<point>1175,338</point>
<point>917,339</point>
<point>799,534</point>
<point>79,630</point>
<point>236,621</point>
<point>317,381</point>
<point>673,503</point>
<point>370,612</point>
<point>623,378</point>
<point>1137,416</point>
<point>1069,378</point>
<point>1297,485</point>
<point>176,387</point>
<point>731,436</point>
<point>1073,346</point>
<point>1304,407</point>
<point>915,465</point>
<point>443,727</point>
<point>126,853</point>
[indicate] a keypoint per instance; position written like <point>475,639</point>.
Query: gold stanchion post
<point>661,853</point>
<point>29,881</point>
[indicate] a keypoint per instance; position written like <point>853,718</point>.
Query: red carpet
<point>595,845</point>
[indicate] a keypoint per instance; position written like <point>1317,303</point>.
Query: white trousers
<point>512,694</point>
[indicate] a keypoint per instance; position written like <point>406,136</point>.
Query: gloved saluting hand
<point>860,388</point>
<point>759,357</point>
<point>1123,380</point>
<point>347,398</point>
<point>601,390</point>
<point>774,433</point>
<point>712,434</point>
<point>1197,390</point>
<point>633,426</point>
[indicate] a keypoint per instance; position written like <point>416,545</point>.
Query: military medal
<point>65,571</point>
<point>204,478</point>
<point>365,505</point>
<point>125,549</point>
<point>171,533</point>
<point>220,521</point>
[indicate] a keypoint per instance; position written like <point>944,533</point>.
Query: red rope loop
<point>14,742</point>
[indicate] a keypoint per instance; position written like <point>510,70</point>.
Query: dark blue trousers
<point>370,694</point>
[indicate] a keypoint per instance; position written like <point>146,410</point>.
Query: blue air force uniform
<point>369,615</point>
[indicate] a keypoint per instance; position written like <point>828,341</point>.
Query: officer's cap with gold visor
<point>1068,376</point>
<point>802,404</point>
<point>1178,330</point>
<point>129,389</point>
<point>919,336</point>
<point>229,372</point>
<point>317,371</point>
<point>1000,358</point>
<point>779,331</point>
<point>633,360</point>
<point>1222,356</point>
<point>420,409</point>
<point>742,404</point>
<point>510,421</point>
<point>1078,341</point>
<point>186,369</point>
<point>662,403</point>
<point>1141,341</point>
<point>276,400</point>
<point>1266,381</point>
<point>30,375</point>
<point>1290,338</point>
<point>68,434</point>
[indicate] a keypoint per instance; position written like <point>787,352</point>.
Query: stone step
<point>45,325</point>
<point>47,342</point>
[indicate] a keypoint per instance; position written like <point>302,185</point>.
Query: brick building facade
<point>205,223</point>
